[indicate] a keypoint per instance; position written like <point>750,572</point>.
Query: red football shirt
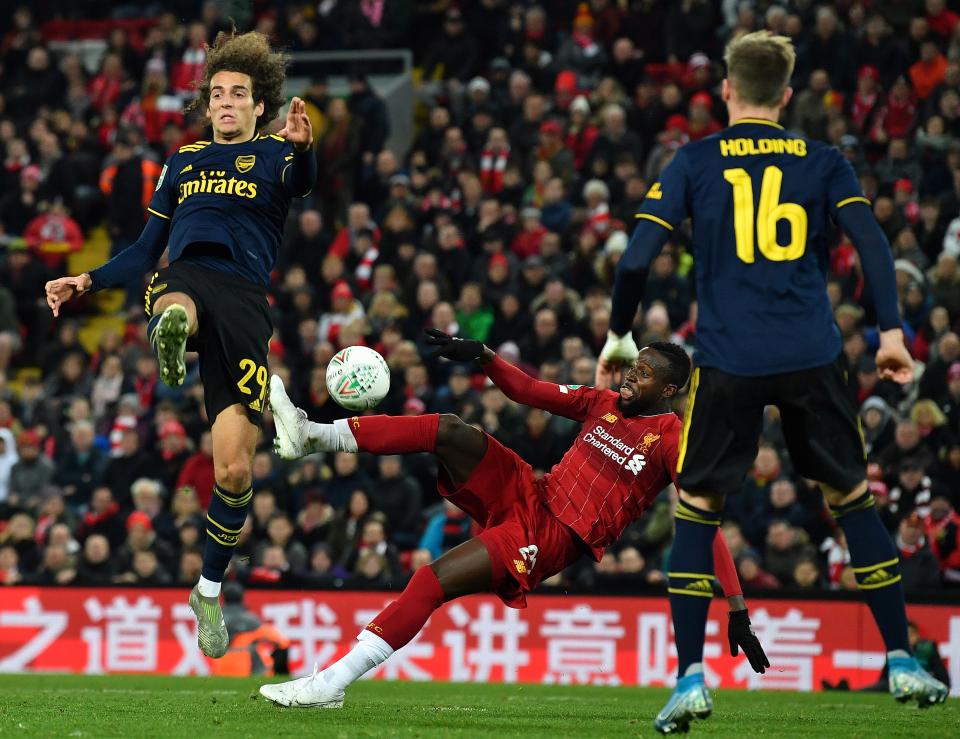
<point>616,467</point>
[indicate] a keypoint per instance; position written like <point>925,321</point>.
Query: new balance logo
<point>521,567</point>
<point>609,418</point>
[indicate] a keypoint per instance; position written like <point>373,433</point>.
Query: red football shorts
<point>526,542</point>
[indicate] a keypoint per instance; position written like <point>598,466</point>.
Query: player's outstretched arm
<point>301,174</point>
<point>131,263</point>
<point>515,383</point>
<point>739,633</point>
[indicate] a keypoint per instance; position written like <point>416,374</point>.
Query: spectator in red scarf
<point>105,88</point>
<point>866,98</point>
<point>581,133</point>
<point>493,160</point>
<point>896,118</point>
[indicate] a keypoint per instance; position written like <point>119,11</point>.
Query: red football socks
<point>402,620</point>
<point>395,434</point>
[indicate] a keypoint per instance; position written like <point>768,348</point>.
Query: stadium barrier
<point>564,640</point>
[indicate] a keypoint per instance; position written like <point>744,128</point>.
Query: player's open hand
<point>741,636</point>
<point>298,130</point>
<point>452,347</point>
<point>61,290</point>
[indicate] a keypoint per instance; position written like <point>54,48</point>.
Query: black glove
<point>459,350</point>
<point>741,635</point>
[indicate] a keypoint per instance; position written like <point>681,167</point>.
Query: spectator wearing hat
<point>878,422</point>
<point>866,98</point>
<point>141,536</point>
<point>581,133</point>
<point>702,121</point>
<point>31,473</point>
<point>344,310</point>
<point>551,149</point>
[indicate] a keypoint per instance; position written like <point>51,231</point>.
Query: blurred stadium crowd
<point>540,129</point>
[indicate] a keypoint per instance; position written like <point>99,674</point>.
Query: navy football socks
<point>690,583</point>
<point>877,568</point>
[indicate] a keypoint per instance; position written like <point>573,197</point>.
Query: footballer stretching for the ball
<point>624,455</point>
<point>219,207</point>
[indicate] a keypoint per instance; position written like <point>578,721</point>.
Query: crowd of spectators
<point>540,127</point>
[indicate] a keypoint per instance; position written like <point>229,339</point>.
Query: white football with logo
<point>358,378</point>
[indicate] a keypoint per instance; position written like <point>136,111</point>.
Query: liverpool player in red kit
<point>624,455</point>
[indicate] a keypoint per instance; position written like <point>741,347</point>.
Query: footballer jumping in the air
<point>624,455</point>
<point>220,205</point>
<point>762,201</point>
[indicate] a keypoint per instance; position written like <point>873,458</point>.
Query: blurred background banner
<point>564,640</point>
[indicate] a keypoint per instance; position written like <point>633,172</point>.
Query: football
<point>358,378</point>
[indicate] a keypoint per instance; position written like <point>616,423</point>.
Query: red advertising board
<point>563,640</point>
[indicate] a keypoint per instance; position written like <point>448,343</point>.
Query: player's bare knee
<point>235,476</point>
<point>712,502</point>
<point>836,497</point>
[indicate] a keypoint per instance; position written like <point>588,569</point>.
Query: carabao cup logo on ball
<point>358,378</point>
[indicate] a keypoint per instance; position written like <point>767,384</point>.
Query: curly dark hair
<point>250,54</point>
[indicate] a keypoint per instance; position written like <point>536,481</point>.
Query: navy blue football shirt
<point>228,194</point>
<point>761,201</point>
